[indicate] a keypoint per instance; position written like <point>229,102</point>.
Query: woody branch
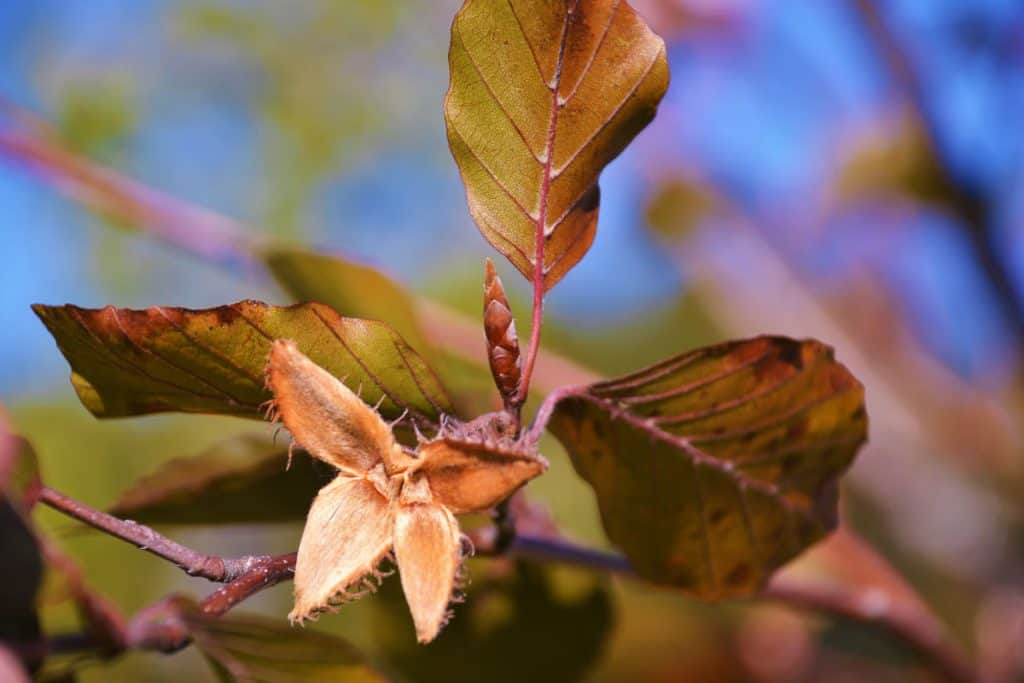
<point>248,575</point>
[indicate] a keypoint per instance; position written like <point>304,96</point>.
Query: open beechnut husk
<point>388,503</point>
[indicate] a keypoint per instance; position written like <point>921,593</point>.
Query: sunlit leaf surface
<point>543,94</point>
<point>715,467</point>
<point>132,362</point>
<point>454,348</point>
<point>352,289</point>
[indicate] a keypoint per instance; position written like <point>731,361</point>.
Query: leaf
<point>248,649</point>
<point>351,288</point>
<point>543,95</point>
<point>452,345</point>
<point>895,163</point>
<point>519,622</point>
<point>715,467</point>
<point>22,569</point>
<point>242,480</point>
<point>21,564</point>
<point>20,481</point>
<point>679,206</point>
<point>133,362</point>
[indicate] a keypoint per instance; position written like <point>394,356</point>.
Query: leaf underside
<point>242,480</point>
<point>133,362</point>
<point>543,95</point>
<point>251,649</point>
<point>715,467</point>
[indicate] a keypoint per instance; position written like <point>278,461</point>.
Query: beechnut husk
<point>388,504</point>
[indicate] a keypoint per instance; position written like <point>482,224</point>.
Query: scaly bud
<point>502,340</point>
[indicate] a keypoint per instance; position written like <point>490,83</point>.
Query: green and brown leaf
<point>715,467</point>
<point>132,362</point>
<point>21,564</point>
<point>543,95</point>
<point>349,287</point>
<point>243,480</point>
<point>20,480</point>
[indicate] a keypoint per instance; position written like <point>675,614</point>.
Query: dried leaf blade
<point>715,467</point>
<point>133,362</point>
<point>543,96</point>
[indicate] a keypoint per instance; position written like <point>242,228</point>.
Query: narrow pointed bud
<point>502,340</point>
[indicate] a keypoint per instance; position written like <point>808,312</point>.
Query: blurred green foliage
<point>314,78</point>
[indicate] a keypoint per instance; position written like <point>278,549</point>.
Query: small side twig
<point>160,627</point>
<point>212,567</point>
<point>268,572</point>
<point>104,623</point>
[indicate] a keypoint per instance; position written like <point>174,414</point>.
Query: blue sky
<point>760,113</point>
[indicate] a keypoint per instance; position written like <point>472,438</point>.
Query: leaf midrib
<point>548,156</point>
<point>743,483</point>
<point>697,456</point>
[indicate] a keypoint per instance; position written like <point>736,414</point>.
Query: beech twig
<point>212,567</point>
<point>270,571</point>
<point>967,199</point>
<point>246,576</point>
<point>160,627</point>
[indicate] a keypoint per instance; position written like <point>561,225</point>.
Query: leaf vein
<point>494,96</point>
<point>705,533</point>
<point>586,143</point>
<point>493,176</point>
<point>774,421</point>
<point>122,364</point>
<point>211,350</point>
<point>187,371</point>
<point>696,454</point>
<point>693,386</point>
<point>593,56</point>
<point>726,406</point>
<point>384,390</point>
<point>415,378</point>
<point>526,39</point>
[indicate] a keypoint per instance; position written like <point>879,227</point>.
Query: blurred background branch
<point>849,171</point>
